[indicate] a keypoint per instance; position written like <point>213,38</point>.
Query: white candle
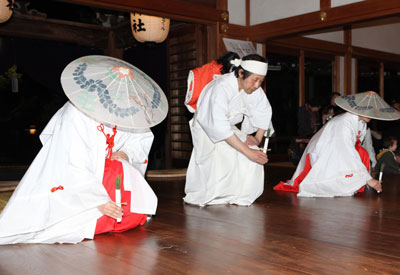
<point>118,200</point>
<point>265,149</point>
<point>118,193</point>
<point>381,172</point>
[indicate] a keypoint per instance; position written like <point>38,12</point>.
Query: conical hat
<point>367,104</point>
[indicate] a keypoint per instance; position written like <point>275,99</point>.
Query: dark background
<point>39,65</point>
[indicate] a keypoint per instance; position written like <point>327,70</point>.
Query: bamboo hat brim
<point>368,104</point>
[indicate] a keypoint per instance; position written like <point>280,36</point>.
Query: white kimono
<point>336,166</point>
<point>218,173</point>
<point>72,157</point>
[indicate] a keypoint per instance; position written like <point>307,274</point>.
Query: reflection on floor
<point>279,234</point>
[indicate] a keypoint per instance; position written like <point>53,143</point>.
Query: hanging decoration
<point>146,28</point>
<point>6,10</point>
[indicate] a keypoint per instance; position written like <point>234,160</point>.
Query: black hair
<point>254,57</point>
<point>332,95</point>
<point>225,61</point>
<point>315,102</point>
<point>388,141</point>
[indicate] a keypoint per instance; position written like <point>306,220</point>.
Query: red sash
<point>112,169</point>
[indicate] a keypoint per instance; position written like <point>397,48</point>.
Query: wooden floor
<point>279,234</point>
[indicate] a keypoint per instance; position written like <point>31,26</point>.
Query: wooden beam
<point>234,31</point>
<point>274,48</point>
<point>327,47</point>
<point>56,30</point>
<point>338,16</point>
<point>311,44</point>
<point>173,9</point>
<point>373,54</point>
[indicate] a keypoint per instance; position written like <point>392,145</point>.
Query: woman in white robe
<point>336,166</point>
<point>331,165</point>
<point>223,169</point>
<point>71,162</point>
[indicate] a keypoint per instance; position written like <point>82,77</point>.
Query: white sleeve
<point>137,147</point>
<point>213,112</point>
<point>367,144</point>
<point>260,112</point>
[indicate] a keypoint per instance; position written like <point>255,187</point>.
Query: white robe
<point>72,156</point>
<point>337,169</point>
<point>218,173</point>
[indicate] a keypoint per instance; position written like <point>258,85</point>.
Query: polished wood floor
<point>279,234</point>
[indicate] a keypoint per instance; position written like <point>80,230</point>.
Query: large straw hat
<point>368,104</point>
<point>114,92</point>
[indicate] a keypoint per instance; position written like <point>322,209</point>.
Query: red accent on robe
<point>201,77</point>
<point>112,169</point>
<point>282,186</point>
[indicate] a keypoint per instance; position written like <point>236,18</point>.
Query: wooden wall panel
<point>186,50</point>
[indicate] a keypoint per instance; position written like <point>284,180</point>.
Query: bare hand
<point>257,156</point>
<point>119,155</point>
<point>251,140</point>
<point>375,184</point>
<point>111,209</point>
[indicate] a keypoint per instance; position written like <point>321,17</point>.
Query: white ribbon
<point>236,62</point>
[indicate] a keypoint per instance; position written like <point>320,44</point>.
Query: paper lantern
<point>6,10</point>
<point>146,28</point>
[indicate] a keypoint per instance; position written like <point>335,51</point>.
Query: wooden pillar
<point>247,12</point>
<point>355,75</point>
<point>347,61</point>
<point>324,4</point>
<point>302,93</point>
<point>221,5</point>
<point>212,43</point>
<point>199,45</point>
<point>336,75</point>
<point>381,79</point>
<point>111,50</point>
<point>264,54</point>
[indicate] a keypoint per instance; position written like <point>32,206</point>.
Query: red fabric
<point>201,77</point>
<point>112,169</point>
<point>109,139</point>
<point>282,186</point>
<point>364,158</point>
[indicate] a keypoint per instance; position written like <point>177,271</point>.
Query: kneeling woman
<point>68,192</point>
<point>334,163</point>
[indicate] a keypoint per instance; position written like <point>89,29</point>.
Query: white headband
<point>253,66</point>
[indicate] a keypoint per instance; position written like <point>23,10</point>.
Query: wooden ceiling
<point>92,22</point>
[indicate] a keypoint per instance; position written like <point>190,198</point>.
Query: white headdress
<point>253,66</point>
